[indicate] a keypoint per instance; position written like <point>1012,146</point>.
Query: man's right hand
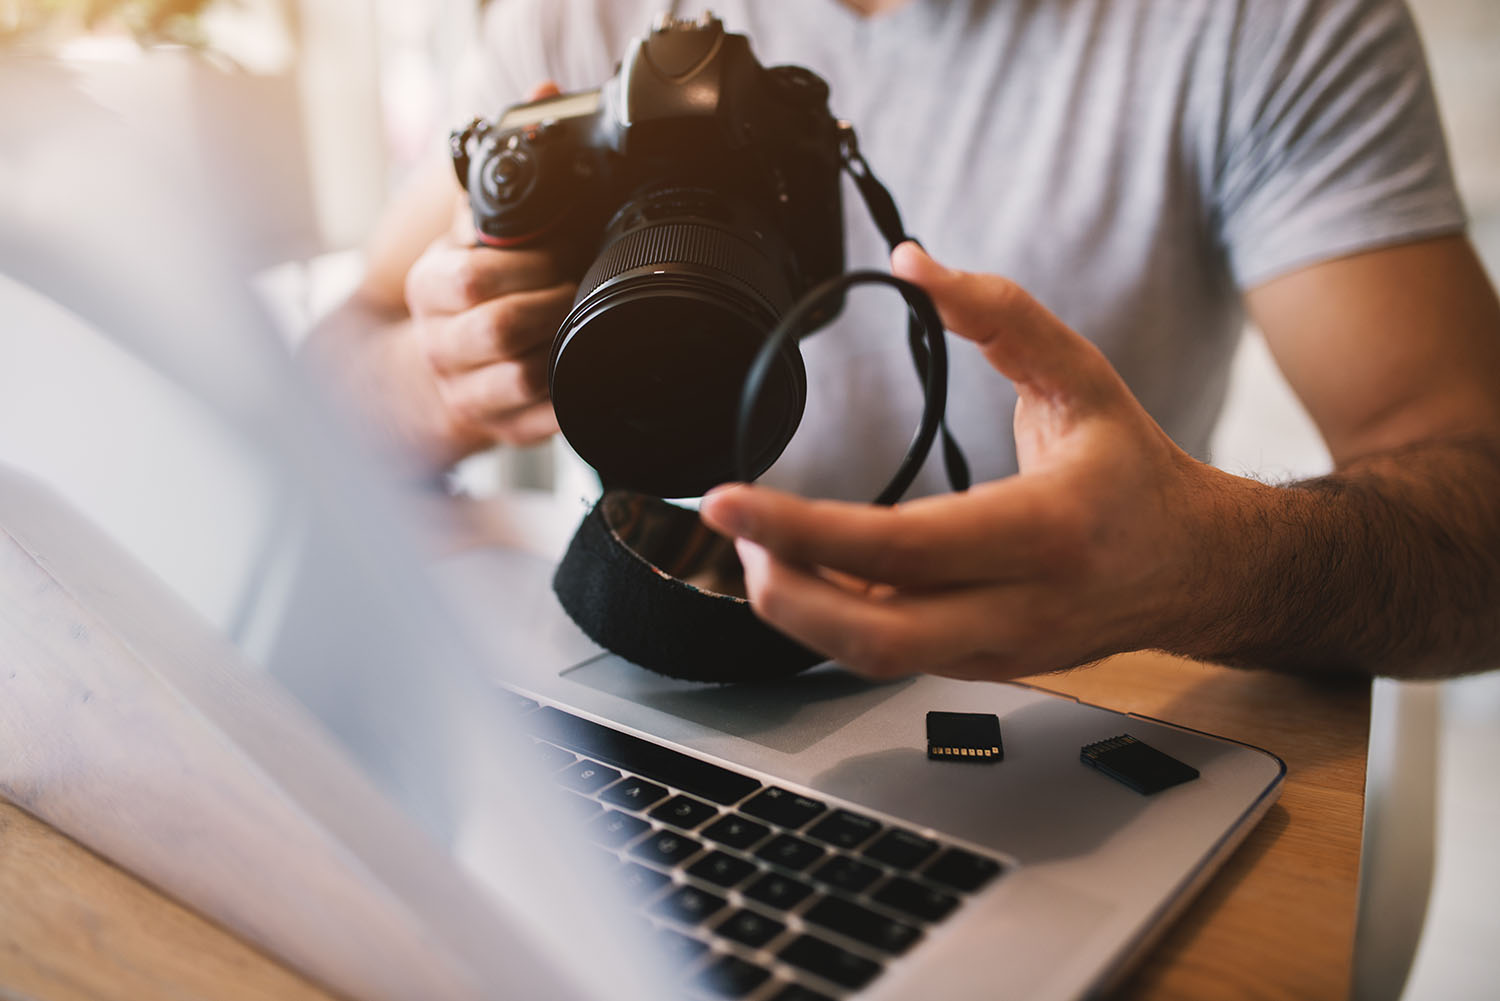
<point>441,350</point>
<point>482,320</point>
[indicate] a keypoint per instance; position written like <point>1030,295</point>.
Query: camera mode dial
<point>679,48</point>
<point>521,184</point>
<point>508,175</point>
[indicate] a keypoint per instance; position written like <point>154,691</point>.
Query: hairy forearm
<point>1390,565</point>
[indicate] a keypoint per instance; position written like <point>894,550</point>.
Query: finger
<point>546,88</point>
<point>881,637</point>
<point>531,425</point>
<point>450,278</point>
<point>492,394</point>
<point>1018,335</point>
<point>499,330</point>
<point>1011,529</point>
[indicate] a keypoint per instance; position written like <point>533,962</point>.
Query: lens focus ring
<point>693,244</point>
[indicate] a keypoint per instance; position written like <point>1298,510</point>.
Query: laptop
<point>410,778</point>
<point>1036,876</point>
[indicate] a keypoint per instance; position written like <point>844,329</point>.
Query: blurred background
<point>305,114</point>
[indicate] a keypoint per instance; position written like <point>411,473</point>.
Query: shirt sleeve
<point>1331,141</point>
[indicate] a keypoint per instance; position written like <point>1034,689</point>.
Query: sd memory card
<point>1140,766</point>
<point>964,737</point>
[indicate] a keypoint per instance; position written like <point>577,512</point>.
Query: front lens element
<point>647,371</point>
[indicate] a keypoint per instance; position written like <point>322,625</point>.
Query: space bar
<point>641,756</point>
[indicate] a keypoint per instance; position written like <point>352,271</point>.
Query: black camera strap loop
<point>876,195</point>
<point>934,376</point>
<point>924,334</point>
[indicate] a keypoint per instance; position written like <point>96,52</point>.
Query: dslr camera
<point>697,192</point>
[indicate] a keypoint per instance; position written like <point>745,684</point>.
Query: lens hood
<point>649,581</point>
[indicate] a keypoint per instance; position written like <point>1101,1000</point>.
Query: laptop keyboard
<point>755,891</point>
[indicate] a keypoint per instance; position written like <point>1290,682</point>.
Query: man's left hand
<point>1096,546</point>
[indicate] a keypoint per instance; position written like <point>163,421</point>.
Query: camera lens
<point>647,371</point>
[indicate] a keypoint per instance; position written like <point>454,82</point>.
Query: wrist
<point>1235,546</point>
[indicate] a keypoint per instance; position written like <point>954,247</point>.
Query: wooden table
<point>1277,920</point>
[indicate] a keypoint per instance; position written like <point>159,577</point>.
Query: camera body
<point>697,193</point>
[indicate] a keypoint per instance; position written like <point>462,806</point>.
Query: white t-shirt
<point>1134,164</point>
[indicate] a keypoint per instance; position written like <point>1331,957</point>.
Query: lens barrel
<point>647,370</point>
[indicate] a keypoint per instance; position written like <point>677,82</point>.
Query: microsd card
<point>964,737</point>
<point>1140,766</point>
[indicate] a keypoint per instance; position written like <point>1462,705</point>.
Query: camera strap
<point>924,335</point>
<point>888,220</point>
<point>649,581</point>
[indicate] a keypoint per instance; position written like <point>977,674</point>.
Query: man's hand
<point>1110,538</point>
<point>1091,549</point>
<point>442,349</point>
<point>483,321</point>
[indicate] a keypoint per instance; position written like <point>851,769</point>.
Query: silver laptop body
<point>1092,869</point>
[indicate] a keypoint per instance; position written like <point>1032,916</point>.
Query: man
<point>1152,170</point>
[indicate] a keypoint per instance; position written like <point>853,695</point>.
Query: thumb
<point>1017,334</point>
<point>546,88</point>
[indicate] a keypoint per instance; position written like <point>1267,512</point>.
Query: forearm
<point>1391,565</point>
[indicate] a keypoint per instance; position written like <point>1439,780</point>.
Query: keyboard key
<point>689,905</point>
<point>640,882</point>
<point>780,806</point>
<point>750,928</point>
<point>633,793</point>
<point>847,874</point>
<point>780,892</point>
<point>550,757</point>
<point>826,960</point>
<point>736,831</point>
<point>843,829</point>
<point>586,776</point>
<point>731,977</point>
<point>901,849</point>
<point>684,811</point>
<point>911,897</point>
<point>666,848</point>
<point>722,870</point>
<point>692,775</point>
<point>680,949</point>
<point>862,925</point>
<point>613,828</point>
<point>796,992</point>
<point>790,852</point>
<point>962,870</point>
